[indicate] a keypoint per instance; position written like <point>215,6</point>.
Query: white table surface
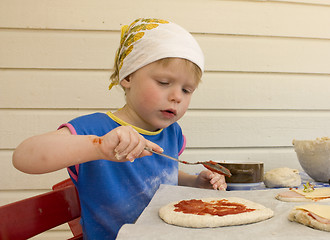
<point>150,226</point>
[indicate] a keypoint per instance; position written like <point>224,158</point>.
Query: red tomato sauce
<point>97,140</point>
<point>219,207</point>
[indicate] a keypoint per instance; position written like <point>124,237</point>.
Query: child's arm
<point>59,149</point>
<point>205,179</point>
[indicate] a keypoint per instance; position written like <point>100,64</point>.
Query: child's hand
<point>209,179</point>
<point>126,144</point>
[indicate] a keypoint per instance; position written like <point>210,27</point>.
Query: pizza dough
<point>315,216</point>
<point>282,177</point>
<point>259,213</point>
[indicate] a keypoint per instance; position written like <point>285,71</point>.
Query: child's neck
<point>129,117</point>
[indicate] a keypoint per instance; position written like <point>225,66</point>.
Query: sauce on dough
<point>218,207</point>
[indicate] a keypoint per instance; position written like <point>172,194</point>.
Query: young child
<point>159,66</point>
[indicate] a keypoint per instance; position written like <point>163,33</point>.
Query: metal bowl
<point>314,157</point>
<point>244,172</point>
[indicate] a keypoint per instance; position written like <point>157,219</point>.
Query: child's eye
<point>187,91</point>
<point>163,83</point>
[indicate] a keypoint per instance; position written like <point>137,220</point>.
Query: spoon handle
<point>167,156</point>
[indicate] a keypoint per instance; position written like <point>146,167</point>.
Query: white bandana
<point>148,40</point>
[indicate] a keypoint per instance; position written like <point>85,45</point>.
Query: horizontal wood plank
<point>58,89</point>
<point>54,235</point>
<point>262,91</point>
<point>265,54</point>
<point>274,18</point>
<point>57,49</point>
<point>54,89</point>
<point>317,2</point>
<point>236,128</point>
<point>28,123</point>
<point>15,194</point>
<point>253,128</point>
<point>90,50</point>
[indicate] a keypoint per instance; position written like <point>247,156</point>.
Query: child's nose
<point>176,94</point>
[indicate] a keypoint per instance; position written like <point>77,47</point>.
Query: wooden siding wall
<point>267,78</point>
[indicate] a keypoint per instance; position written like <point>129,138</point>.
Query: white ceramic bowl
<point>314,157</point>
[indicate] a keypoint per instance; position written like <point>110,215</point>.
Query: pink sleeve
<point>183,145</point>
<point>70,127</point>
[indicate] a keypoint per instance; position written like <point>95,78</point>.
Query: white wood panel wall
<point>267,78</point>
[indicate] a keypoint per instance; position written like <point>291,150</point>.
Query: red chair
<point>29,217</point>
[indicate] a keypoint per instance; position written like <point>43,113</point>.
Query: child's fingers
<point>218,181</point>
<point>136,152</point>
<point>154,146</point>
<point>139,150</point>
<point>130,145</point>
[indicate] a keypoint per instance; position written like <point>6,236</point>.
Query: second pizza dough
<point>282,177</point>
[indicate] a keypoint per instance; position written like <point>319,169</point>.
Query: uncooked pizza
<point>305,195</point>
<point>313,215</point>
<point>214,212</point>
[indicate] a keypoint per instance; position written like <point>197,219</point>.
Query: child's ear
<point>126,82</point>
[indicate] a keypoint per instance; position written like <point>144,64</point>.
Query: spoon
<point>213,166</point>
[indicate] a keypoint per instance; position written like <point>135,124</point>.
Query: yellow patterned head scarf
<point>147,40</point>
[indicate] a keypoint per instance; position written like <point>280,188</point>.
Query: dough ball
<point>282,177</point>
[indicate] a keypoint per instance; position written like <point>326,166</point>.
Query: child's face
<point>158,95</point>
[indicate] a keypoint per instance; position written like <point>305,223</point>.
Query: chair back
<point>28,217</point>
